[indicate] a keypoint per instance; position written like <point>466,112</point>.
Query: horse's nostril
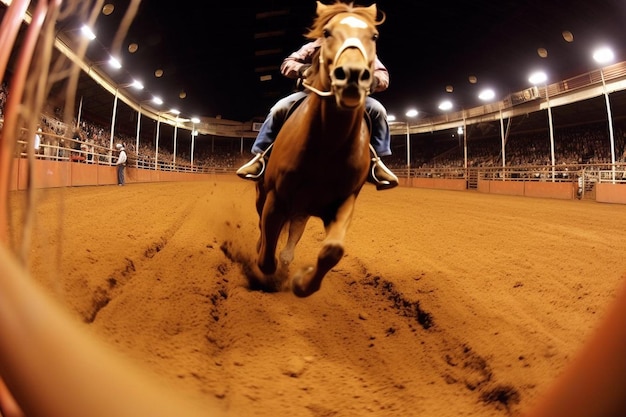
<point>351,75</point>
<point>340,73</point>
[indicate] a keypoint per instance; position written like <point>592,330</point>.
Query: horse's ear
<point>320,8</point>
<point>373,11</point>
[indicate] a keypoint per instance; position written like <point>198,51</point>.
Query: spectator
<point>121,164</point>
<point>37,143</point>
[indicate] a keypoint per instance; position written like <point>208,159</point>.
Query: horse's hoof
<point>299,282</point>
<point>258,281</point>
<point>268,268</point>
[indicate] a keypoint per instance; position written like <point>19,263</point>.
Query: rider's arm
<point>292,65</point>
<point>381,75</point>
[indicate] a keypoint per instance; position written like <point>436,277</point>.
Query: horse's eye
<point>375,37</point>
<point>326,33</point>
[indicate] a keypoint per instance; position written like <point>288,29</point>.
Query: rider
<point>295,66</point>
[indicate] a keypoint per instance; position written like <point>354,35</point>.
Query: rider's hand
<point>302,71</point>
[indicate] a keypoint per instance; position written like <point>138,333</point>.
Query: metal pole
<point>551,134</point>
<point>80,111</point>
<point>408,151</point>
<point>465,145</point>
<point>610,118</point>
<point>137,141</point>
<point>503,139</point>
<point>113,128</point>
<point>193,137</point>
<point>175,132</point>
<point>156,151</point>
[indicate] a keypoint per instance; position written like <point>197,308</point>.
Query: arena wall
<point>51,174</point>
<point>562,190</point>
<point>611,193</point>
<point>437,183</point>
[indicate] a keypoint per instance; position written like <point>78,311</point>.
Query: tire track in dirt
<point>118,278</point>
<point>395,332</point>
<point>463,364</point>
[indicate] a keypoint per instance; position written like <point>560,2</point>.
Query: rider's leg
<point>253,169</point>
<point>380,145</point>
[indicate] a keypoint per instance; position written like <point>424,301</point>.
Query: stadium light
<point>538,78</point>
<point>136,85</point>
<point>487,94</point>
<point>115,63</point>
<point>603,55</point>
<point>87,32</point>
<point>445,105</point>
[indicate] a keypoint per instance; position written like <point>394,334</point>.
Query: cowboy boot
<point>254,169</point>
<point>381,176</point>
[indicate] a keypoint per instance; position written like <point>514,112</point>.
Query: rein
<point>315,90</point>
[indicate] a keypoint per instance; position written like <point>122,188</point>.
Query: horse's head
<point>348,51</point>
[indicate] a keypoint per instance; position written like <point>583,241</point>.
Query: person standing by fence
<point>121,163</point>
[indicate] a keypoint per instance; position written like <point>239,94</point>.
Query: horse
<point>321,156</point>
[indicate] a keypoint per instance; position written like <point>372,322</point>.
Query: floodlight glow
<point>487,94</point>
<point>603,55</point>
<point>411,113</point>
<point>538,77</point>
<point>115,63</point>
<point>157,100</point>
<point>88,33</point>
<point>445,105</point>
<point>137,85</point>
<point>195,120</point>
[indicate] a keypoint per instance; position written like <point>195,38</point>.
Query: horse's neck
<point>335,121</point>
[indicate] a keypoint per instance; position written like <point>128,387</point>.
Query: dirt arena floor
<point>446,303</point>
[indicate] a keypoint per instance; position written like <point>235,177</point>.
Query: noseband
<point>348,43</point>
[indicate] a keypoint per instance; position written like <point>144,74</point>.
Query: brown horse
<point>321,156</point>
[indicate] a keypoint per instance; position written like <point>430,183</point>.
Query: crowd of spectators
<point>3,97</point>
<point>584,144</point>
<point>90,143</point>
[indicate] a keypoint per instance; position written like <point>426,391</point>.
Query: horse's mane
<point>317,29</point>
<point>314,70</point>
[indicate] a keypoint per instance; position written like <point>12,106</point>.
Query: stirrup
<point>382,184</point>
<point>244,171</point>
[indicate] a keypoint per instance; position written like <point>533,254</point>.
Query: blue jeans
<point>380,137</point>
<point>120,174</point>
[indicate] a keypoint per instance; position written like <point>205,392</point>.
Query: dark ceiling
<point>225,59</point>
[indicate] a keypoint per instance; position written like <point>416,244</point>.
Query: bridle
<point>348,43</point>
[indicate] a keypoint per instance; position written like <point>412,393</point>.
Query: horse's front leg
<point>296,229</point>
<point>271,223</point>
<point>308,280</point>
